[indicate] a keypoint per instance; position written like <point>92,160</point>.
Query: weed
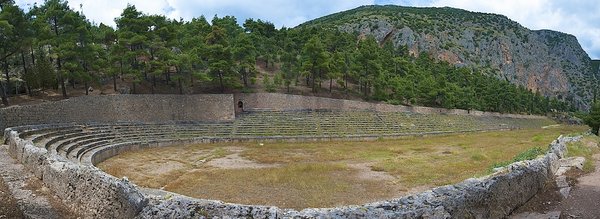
<point>478,157</point>
<point>220,152</point>
<point>529,154</point>
<point>537,138</point>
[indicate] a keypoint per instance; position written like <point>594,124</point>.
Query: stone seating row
<point>77,141</point>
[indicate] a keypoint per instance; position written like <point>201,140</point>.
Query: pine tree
<point>593,118</point>
<point>13,34</point>
<point>219,56</point>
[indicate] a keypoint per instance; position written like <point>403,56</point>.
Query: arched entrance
<point>240,106</point>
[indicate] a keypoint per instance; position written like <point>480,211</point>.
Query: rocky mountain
<point>545,61</point>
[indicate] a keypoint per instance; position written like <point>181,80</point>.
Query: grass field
<point>325,174</point>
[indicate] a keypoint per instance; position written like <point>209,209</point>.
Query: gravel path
<point>582,202</point>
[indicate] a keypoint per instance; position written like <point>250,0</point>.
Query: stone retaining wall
<point>94,194</point>
<point>86,189</point>
<point>277,101</point>
<point>203,107</point>
<point>125,108</point>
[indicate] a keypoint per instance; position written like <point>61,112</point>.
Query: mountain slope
<point>545,61</point>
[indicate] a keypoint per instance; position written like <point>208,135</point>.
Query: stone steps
<point>79,142</point>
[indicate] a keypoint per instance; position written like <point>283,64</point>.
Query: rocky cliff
<point>545,61</point>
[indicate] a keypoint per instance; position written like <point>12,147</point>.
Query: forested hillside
<point>544,61</point>
<point>53,47</point>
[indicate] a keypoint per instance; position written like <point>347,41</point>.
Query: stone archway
<point>240,106</point>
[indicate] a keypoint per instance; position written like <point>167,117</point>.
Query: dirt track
<point>582,202</point>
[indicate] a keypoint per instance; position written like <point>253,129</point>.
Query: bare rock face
<point>544,61</point>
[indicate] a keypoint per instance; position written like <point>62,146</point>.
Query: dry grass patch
<point>297,186</point>
<point>326,174</point>
<point>587,147</point>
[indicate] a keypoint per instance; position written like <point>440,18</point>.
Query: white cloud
<point>577,17</point>
<point>281,13</point>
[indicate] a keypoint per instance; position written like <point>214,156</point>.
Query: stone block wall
<point>204,107</point>
<point>277,101</point>
<point>122,108</point>
<point>86,189</point>
<point>95,194</point>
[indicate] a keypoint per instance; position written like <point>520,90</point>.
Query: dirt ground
<point>582,202</point>
<point>202,168</point>
<point>322,174</point>
<point>8,204</point>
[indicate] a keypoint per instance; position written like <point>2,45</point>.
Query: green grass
<point>528,154</point>
<point>586,148</point>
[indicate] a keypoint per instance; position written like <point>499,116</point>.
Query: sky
<point>577,17</point>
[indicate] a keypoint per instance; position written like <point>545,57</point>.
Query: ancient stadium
<point>352,147</point>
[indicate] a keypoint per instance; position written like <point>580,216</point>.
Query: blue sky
<point>577,17</point>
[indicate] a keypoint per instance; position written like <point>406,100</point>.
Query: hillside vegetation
<point>549,62</point>
<point>52,47</point>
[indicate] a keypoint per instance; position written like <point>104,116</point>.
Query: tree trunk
<point>85,85</point>
<point>25,73</point>
<point>7,91</point>
<point>314,86</point>
<point>28,89</point>
<point>345,81</point>
<point>3,88</point>
<point>307,81</point>
<point>121,71</point>
<point>115,82</point>
<point>32,56</point>
<point>244,76</point>
<point>191,79</point>
<point>58,63</point>
<point>330,84</point>
<point>133,87</point>
<point>153,83</point>
<point>180,85</point>
<point>61,80</point>
<point>221,82</point>
<point>3,94</point>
